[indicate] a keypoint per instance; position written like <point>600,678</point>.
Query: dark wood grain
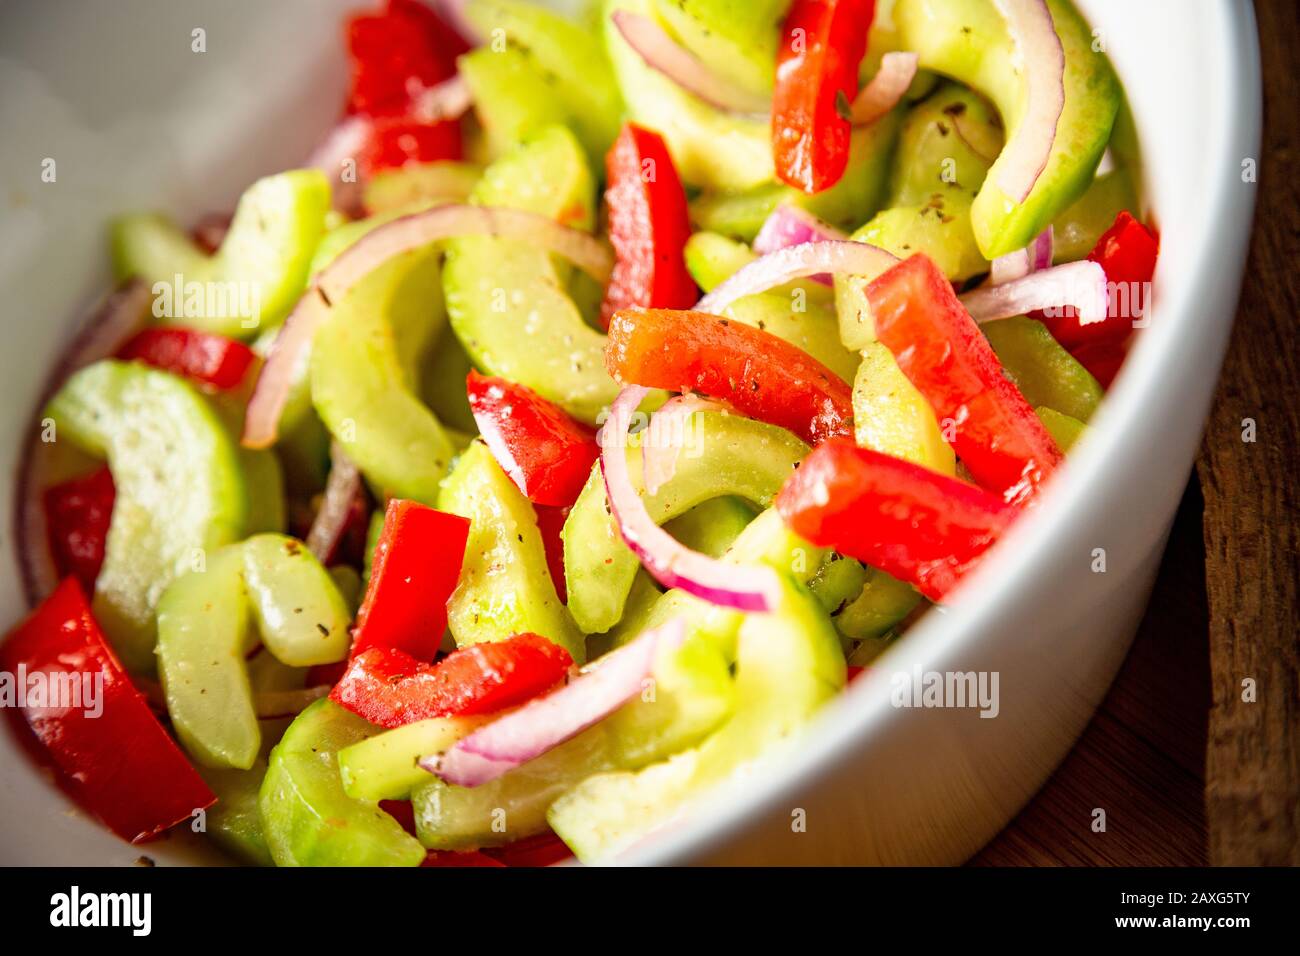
<point>1225,607</point>
<point>1142,759</point>
<point>1252,505</point>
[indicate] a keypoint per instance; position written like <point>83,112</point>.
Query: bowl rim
<point>1019,567</point>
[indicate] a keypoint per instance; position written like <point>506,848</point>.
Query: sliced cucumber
<point>789,663</point>
<point>362,388</point>
<point>507,300</point>
<point>307,818</point>
<point>689,696</point>
<point>385,766</point>
<point>180,492</point>
<point>736,38</point>
<point>1043,371</point>
<point>571,59</point>
<point>302,617</point>
<point>711,149</point>
<point>203,637</point>
<point>890,416</point>
<point>504,587</point>
<point>420,184</point>
<point>1064,429</point>
<point>711,526</point>
<point>256,276</point>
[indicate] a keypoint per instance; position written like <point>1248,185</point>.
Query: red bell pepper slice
<point>920,526</point>
<point>1127,253</point>
<point>545,452</point>
<point>208,359</point>
<point>416,567</point>
<point>943,353</point>
<point>755,372</point>
<point>394,143</point>
<point>391,688</point>
<point>648,225</point>
<point>77,517</point>
<point>550,522</point>
<point>119,763</point>
<point>396,54</point>
<point>1101,359</point>
<point>822,43</point>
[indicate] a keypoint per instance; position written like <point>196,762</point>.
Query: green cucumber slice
<point>203,637</point>
<point>789,663</point>
<point>307,818</point>
<point>384,767</point>
<point>363,390</point>
<point>507,301</point>
<point>180,492</point>
<point>1042,369</point>
<point>256,276</point>
<point>302,617</point>
<point>505,587</point>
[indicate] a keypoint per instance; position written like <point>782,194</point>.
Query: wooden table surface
<point>1188,771</point>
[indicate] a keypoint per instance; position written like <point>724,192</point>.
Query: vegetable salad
<point>600,396</point>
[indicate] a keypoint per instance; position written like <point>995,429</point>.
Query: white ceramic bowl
<point>135,119</point>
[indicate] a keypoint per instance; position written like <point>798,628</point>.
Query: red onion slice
<point>1033,258</point>
<point>664,55</point>
<point>1041,60</point>
<point>447,100</point>
<point>745,588</point>
<point>798,262</point>
<point>548,721</point>
<point>344,143</point>
<point>665,437</point>
<point>341,489</point>
<point>373,250</point>
<point>1081,285</point>
<point>878,97</point>
<point>791,226</point>
<point>124,313</point>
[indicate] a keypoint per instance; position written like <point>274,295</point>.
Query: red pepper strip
<point>648,225</point>
<point>550,522</point>
<point>543,849</point>
<point>402,811</point>
<point>758,374</point>
<point>394,143</point>
<point>852,673</point>
<point>395,54</point>
<point>416,567</point>
<point>459,858</point>
<point>922,527</point>
<point>77,515</point>
<point>119,762</point>
<point>1127,253</point>
<point>321,675</point>
<point>391,688</point>
<point>1101,359</point>
<point>208,359</point>
<point>943,353</point>
<point>546,453</point>
<point>822,43</point>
